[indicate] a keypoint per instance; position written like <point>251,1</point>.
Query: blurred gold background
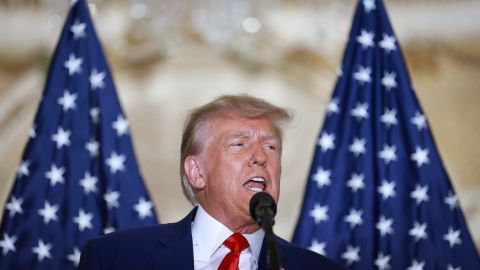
<point>169,56</point>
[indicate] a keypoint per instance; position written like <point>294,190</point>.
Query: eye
<point>237,144</point>
<point>271,147</point>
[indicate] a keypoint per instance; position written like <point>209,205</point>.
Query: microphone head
<point>260,202</point>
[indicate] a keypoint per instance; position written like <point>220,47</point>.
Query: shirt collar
<point>209,234</point>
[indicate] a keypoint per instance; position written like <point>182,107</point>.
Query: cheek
<point>276,165</point>
<point>225,173</point>
<point>232,164</point>
<point>276,172</point>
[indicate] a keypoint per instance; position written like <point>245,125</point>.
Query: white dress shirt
<point>208,235</point>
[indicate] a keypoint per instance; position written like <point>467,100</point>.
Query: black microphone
<point>263,209</point>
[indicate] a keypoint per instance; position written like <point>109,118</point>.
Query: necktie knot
<point>236,243</point>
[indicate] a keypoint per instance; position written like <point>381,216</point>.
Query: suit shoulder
<point>133,236</point>
<point>116,250</point>
<point>133,248</point>
<point>305,258</point>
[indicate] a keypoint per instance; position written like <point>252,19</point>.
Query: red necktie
<point>236,243</point>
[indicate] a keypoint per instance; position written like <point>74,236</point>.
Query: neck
<point>245,229</point>
<point>238,224</point>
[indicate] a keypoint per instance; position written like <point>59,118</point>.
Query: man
<point>231,149</point>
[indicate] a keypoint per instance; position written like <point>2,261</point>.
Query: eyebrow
<point>246,133</point>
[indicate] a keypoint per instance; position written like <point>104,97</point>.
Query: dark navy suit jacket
<point>169,246</point>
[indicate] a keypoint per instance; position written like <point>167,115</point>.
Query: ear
<point>194,171</point>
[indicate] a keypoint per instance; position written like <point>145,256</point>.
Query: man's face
<point>238,157</point>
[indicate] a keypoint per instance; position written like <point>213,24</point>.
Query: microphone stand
<point>272,250</point>
<point>263,209</point>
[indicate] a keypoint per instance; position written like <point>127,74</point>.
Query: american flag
<point>378,196</point>
<point>78,177</point>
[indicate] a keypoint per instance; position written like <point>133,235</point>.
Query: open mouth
<point>255,184</point>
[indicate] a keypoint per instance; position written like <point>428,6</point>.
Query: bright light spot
<point>138,11</point>
<point>251,25</point>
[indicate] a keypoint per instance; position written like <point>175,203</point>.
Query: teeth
<point>256,184</point>
<point>257,179</point>
<point>256,189</point>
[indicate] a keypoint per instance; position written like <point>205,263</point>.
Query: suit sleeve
<point>89,259</point>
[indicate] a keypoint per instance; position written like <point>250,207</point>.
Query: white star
<point>387,189</point>
<point>67,100</point>
<point>420,156</point>
<point>351,255</point>
<point>32,133</point>
<point>363,75</point>
<point>360,111</point>
<point>451,200</point>
<point>354,218</point>
<point>96,79</point>
<point>120,125</point>
<point>8,243</point>
<point>318,247</point>
<point>74,257</point>
<point>22,169</point>
<point>356,182</point>
<point>453,237</point>
<point>416,265</point>
<point>419,120</point>
<point>319,213</point>
<point>388,80</point>
<point>144,208</point>
<point>388,43</point>
<point>332,107</point>
<point>450,267</point>
<point>55,175</point>
<point>94,113</point>
<point>368,5</point>
<point>322,177</point>
<point>42,250</point>
<point>74,65</point>
<point>88,183</point>
<point>112,199</point>
<point>14,206</point>
<point>48,212</point>
<point>420,193</point>
<point>326,141</point>
<point>366,39</point>
<point>358,146</point>
<point>108,230</point>
<point>61,137</point>
<point>115,162</point>
<point>92,146</point>
<point>84,220</point>
<point>383,262</point>
<point>78,29</point>
<point>388,153</point>
<point>418,231</point>
<point>389,117</point>
<point>384,226</point>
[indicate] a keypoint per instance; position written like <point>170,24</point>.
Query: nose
<point>258,157</point>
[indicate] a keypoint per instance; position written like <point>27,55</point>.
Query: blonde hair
<point>242,106</point>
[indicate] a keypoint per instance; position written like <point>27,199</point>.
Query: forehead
<point>234,126</point>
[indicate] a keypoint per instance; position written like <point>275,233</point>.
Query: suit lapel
<point>262,264</point>
<point>176,251</point>
<point>176,256</point>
